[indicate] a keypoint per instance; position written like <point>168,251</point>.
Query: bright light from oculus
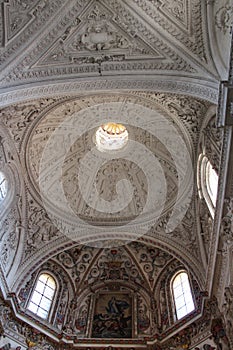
<point>111,137</point>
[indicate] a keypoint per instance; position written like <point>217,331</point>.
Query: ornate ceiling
<point>67,67</point>
<point>43,42</point>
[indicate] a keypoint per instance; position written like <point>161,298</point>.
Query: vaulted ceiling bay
<point>116,174</point>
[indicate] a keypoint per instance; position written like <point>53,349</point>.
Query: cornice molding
<point>206,90</point>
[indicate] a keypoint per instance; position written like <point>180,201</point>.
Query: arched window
<point>211,182</point>
<point>207,182</point>
<point>3,186</point>
<point>182,295</point>
<point>42,296</point>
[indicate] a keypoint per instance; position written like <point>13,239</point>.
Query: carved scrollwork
<point>40,228</point>
<point>213,143</point>
<point>224,17</point>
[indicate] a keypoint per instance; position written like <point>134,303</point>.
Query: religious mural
<point>113,316</point>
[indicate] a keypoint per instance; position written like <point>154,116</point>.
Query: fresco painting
<point>112,316</point>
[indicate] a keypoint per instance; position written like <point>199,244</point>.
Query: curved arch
<point>188,86</point>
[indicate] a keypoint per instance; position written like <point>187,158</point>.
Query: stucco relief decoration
<point>178,9</point>
<point>10,230</point>
<point>228,311</point>
<point>99,35</point>
<point>25,291</point>
<point>81,319</point>
<point>97,38</point>
<point>77,315</point>
<point>163,321</point>
<point>219,334</point>
<point>227,223</point>
<point>11,227</point>
<point>40,228</point>
<point>213,143</point>
<point>119,170</point>
<point>189,111</point>
<point>178,19</point>
<point>224,18</point>
<point>19,117</point>
<point>206,222</point>
<point>18,14</point>
<point>113,265</point>
<point>143,316</point>
<point>25,334</point>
